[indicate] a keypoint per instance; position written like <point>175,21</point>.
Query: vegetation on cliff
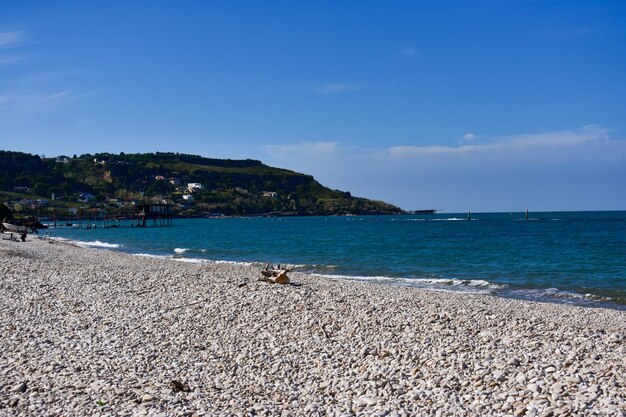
<point>197,185</point>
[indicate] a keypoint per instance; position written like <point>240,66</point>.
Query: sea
<point>562,257</point>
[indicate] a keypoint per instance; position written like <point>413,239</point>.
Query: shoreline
<point>111,333</point>
<point>477,286</point>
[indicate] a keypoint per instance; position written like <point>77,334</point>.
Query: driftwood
<point>275,275</point>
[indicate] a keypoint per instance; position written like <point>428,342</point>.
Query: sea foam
<point>95,244</point>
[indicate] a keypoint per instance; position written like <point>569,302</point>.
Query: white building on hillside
<point>194,186</point>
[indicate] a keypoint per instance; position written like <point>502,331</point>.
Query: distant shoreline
<point>408,213</point>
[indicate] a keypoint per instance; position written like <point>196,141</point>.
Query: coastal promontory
<point>195,185</point>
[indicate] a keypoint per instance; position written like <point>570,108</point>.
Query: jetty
<point>142,215</point>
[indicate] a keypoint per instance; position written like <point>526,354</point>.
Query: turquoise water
<point>573,257</point>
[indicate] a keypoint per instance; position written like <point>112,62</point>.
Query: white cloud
<point>512,145</point>
<point>537,141</point>
<point>551,170</point>
<point>10,39</point>
<point>21,96</point>
<point>9,60</point>
<point>469,137</point>
<point>21,102</point>
<point>333,88</point>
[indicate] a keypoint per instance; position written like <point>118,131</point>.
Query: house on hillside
<point>194,186</point>
<point>270,194</point>
<point>115,202</point>
<point>32,204</point>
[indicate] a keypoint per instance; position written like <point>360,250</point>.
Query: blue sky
<point>486,105</point>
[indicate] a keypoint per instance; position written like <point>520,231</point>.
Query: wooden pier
<point>143,215</point>
<point>158,214</point>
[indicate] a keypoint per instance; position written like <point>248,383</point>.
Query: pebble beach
<point>99,333</point>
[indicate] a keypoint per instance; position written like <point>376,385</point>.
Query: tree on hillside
<point>5,212</point>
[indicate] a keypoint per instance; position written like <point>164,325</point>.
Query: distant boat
<point>427,211</point>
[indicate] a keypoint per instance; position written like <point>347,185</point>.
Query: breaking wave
<point>95,244</point>
<point>476,286</point>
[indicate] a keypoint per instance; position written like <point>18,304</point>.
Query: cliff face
<point>227,186</point>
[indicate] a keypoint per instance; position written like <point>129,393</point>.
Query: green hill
<point>230,187</point>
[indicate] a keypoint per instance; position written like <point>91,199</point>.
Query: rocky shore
<point>88,332</point>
